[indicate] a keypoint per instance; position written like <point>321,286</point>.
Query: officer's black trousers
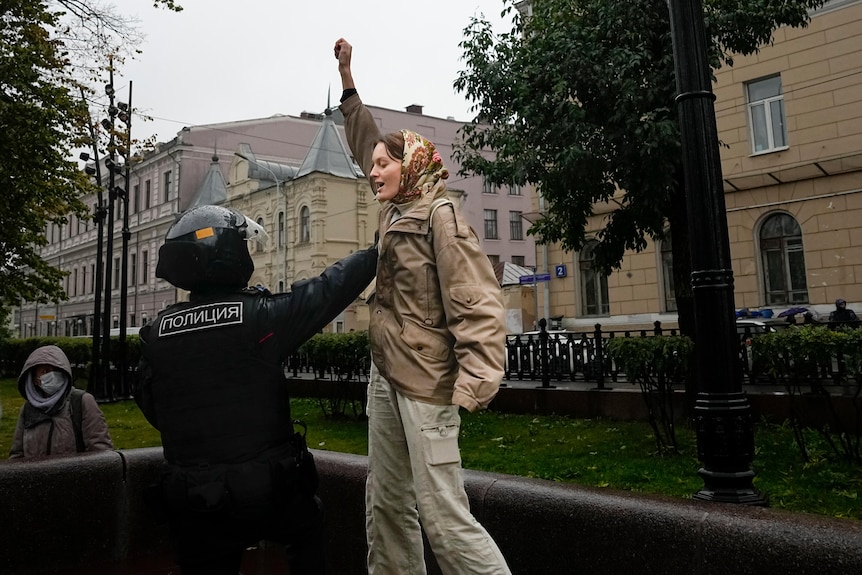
<point>218,512</point>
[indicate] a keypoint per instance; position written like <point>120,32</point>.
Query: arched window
<point>256,246</point>
<point>594,284</point>
<point>280,229</point>
<point>667,273</point>
<point>783,261</point>
<point>304,225</point>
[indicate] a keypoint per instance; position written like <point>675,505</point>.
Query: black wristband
<point>347,93</point>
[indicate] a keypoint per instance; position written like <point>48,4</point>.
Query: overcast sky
<point>225,60</point>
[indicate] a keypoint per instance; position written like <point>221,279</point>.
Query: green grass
<point>597,453</point>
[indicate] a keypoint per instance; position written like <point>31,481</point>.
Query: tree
<point>42,119</point>
<point>578,99</point>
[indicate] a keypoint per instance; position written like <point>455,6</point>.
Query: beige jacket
<point>437,319</point>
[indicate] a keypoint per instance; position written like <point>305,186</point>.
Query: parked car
<point>511,337</point>
<point>747,328</point>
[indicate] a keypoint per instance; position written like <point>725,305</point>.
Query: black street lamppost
<point>725,435</point>
<point>113,170</point>
<point>125,116</point>
<point>95,385</point>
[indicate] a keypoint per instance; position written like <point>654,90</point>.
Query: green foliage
<point>42,118</point>
<point>803,360</point>
<point>345,356</point>
<point>5,329</point>
<point>558,118</point>
<point>49,50</point>
<point>656,364</point>
<point>578,99</point>
<point>14,352</point>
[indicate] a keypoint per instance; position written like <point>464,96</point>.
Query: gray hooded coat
<point>39,433</point>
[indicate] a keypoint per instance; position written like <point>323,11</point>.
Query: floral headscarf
<point>421,166</point>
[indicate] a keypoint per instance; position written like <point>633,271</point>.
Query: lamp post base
<point>725,447</point>
<point>734,487</point>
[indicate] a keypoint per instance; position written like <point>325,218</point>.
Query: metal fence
<point>582,356</point>
<point>569,356</point>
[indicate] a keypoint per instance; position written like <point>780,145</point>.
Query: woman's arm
<point>359,126</point>
<point>343,53</point>
<point>475,316</point>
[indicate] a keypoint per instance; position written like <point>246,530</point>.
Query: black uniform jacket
<point>211,377</point>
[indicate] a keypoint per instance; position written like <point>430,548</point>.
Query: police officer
<point>212,383</point>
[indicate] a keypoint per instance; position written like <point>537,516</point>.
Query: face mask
<point>52,382</point>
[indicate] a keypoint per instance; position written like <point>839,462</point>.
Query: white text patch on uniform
<point>201,317</point>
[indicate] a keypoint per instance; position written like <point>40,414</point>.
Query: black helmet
<point>206,248</point>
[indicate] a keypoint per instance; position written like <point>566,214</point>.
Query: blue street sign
<point>560,270</point>
<point>531,279</point>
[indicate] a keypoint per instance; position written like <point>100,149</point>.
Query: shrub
<point>803,359</point>
<point>345,357</point>
<point>14,352</point>
<point>656,364</point>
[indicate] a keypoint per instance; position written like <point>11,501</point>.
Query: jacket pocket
<point>467,296</point>
<point>424,342</point>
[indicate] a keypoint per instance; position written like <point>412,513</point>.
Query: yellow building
<point>790,121</point>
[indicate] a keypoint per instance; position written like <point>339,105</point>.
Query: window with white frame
<point>783,260</point>
<point>488,187</point>
<point>594,284</point>
<point>767,127</point>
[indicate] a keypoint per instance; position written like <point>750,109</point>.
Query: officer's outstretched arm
<point>315,302</point>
